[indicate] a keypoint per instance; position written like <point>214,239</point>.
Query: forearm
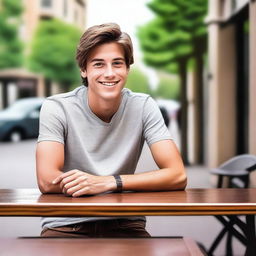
<point>45,183</point>
<point>158,180</point>
<point>49,165</point>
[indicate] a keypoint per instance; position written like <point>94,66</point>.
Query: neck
<point>104,109</point>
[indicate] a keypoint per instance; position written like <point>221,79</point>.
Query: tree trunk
<point>200,49</point>
<point>184,109</point>
<point>47,87</point>
<point>199,107</point>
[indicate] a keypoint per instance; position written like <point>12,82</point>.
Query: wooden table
<point>30,202</point>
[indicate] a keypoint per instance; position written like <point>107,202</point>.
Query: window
<point>46,3</point>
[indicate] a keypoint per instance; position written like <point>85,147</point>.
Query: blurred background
<point>197,59</point>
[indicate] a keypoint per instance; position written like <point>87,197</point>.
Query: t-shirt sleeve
<point>52,122</point>
<point>154,128</point>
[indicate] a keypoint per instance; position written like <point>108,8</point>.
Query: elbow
<point>44,187</point>
<point>182,179</point>
<point>182,182</point>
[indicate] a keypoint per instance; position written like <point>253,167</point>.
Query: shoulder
<point>68,96</point>
<point>59,102</point>
<point>135,96</point>
<point>140,101</point>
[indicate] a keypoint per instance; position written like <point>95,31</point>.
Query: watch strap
<point>119,183</point>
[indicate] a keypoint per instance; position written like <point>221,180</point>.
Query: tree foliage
<point>11,47</point>
<point>53,52</point>
<point>137,81</point>
<point>176,33</point>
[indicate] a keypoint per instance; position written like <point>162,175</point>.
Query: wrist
<point>119,183</point>
<point>110,183</point>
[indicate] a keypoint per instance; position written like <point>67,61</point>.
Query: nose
<point>109,72</point>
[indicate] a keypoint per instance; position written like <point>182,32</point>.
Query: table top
<point>99,246</point>
<point>30,202</point>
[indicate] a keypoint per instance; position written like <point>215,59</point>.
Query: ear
<point>83,73</point>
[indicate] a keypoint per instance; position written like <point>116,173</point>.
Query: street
<point>18,164</point>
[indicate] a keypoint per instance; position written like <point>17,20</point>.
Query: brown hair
<point>100,34</point>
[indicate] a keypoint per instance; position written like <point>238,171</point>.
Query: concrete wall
<point>252,85</point>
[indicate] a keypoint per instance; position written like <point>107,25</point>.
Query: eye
<point>118,63</point>
<point>98,64</point>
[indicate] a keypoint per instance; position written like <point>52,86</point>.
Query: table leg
<point>229,250</point>
<point>217,241</point>
<point>251,236</point>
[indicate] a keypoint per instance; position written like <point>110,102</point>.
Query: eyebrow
<point>119,58</point>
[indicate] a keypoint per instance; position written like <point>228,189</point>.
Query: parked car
<point>20,120</point>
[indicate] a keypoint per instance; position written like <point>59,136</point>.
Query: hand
<point>77,183</point>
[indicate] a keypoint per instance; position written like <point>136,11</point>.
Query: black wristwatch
<point>119,183</point>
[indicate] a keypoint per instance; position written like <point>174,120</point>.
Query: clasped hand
<point>77,183</point>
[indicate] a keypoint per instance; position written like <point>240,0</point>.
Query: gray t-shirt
<point>97,147</point>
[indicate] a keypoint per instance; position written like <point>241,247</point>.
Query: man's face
<point>106,72</point>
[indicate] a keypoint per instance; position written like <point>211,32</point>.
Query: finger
<point>63,176</point>
<point>74,189</point>
<point>65,186</point>
<point>83,191</point>
<point>57,180</point>
<point>82,183</point>
<point>79,176</point>
<point>75,182</point>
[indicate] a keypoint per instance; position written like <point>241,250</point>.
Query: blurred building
<point>20,83</point>
<point>231,80</point>
<point>70,11</point>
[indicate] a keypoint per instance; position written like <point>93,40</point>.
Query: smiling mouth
<point>109,84</point>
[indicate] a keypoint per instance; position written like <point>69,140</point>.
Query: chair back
<point>242,162</point>
<point>237,170</point>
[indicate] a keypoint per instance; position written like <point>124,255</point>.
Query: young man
<point>91,138</point>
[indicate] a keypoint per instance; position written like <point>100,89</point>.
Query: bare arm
<point>170,176</point>
<point>49,164</point>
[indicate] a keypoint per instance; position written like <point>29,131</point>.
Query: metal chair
<point>234,173</point>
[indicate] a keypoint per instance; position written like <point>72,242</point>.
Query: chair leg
<point>246,181</point>
<point>251,235</point>
<point>230,182</point>
<point>220,180</point>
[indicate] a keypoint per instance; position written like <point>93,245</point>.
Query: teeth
<point>109,84</point>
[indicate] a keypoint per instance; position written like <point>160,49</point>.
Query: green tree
<point>175,35</point>
<point>11,48</point>
<point>177,32</point>
<point>137,81</point>
<point>53,52</point>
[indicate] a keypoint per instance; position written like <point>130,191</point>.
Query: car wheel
<point>15,136</point>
